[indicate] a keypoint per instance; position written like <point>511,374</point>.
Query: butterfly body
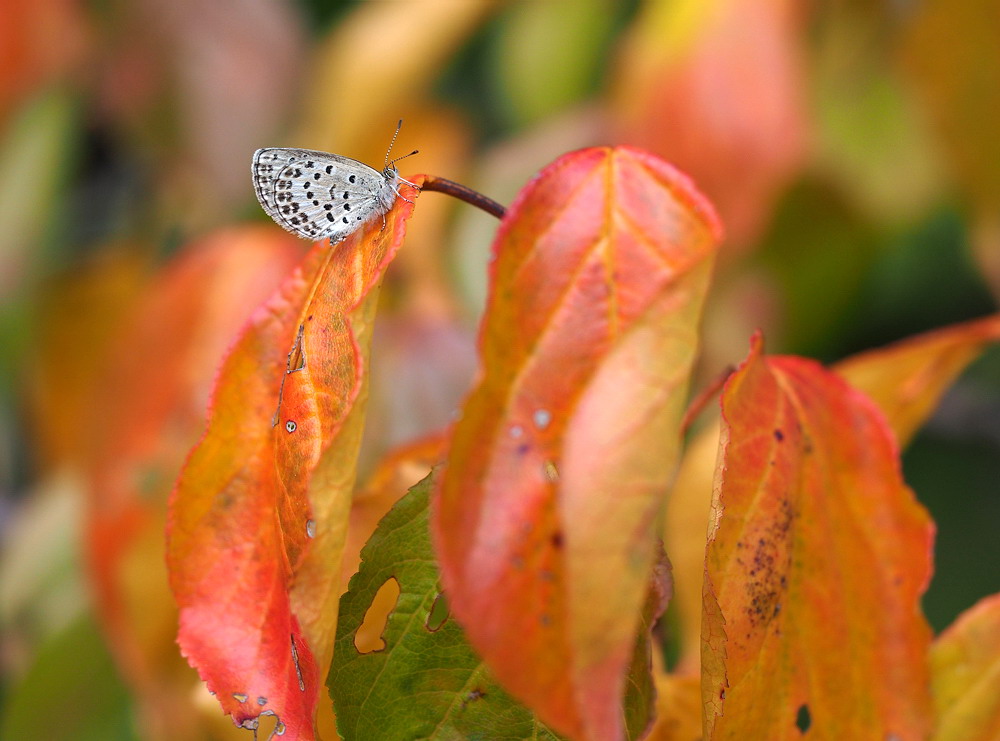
<point>317,195</point>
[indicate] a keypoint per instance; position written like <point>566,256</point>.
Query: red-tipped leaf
<point>259,514</point>
<point>545,515</point>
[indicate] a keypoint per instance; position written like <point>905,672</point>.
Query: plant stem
<point>463,193</point>
<point>707,394</point>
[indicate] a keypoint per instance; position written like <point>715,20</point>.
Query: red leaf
<point>818,555</point>
<point>544,517</point>
<point>257,592</point>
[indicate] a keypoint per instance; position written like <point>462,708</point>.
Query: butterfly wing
<point>318,195</point>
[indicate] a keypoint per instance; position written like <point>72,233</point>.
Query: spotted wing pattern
<point>318,195</point>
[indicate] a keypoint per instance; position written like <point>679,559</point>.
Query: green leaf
<point>423,684</point>
<point>427,682</point>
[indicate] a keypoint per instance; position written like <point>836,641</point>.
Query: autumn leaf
<point>680,60</point>
<point>906,380</point>
<point>545,515</point>
<point>818,554</point>
<point>965,671</point>
<point>259,515</point>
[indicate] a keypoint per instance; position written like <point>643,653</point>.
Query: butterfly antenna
<point>415,151</point>
<point>398,127</point>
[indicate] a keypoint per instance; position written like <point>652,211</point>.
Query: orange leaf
<point>259,515</point>
<point>545,516</point>
<point>906,379</point>
<point>965,671</point>
<point>817,558</point>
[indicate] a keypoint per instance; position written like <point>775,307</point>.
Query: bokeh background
<point>852,149</point>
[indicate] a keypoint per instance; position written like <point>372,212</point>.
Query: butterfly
<point>318,195</point>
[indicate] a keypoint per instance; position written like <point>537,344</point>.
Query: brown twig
<point>704,396</point>
<point>463,193</point>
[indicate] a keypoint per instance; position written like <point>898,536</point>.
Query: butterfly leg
<point>396,190</point>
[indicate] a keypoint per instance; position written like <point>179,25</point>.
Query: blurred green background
<point>851,148</point>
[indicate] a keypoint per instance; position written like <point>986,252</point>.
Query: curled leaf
<point>545,514</point>
<point>259,515</point>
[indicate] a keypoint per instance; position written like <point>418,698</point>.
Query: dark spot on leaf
<point>557,539</point>
<point>802,719</point>
<point>472,696</point>
<point>779,435</point>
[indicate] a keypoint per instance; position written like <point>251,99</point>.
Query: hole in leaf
<point>802,719</point>
<point>368,638</point>
<point>268,724</point>
<point>438,613</point>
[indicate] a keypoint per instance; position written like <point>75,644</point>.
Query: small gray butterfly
<point>316,195</point>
